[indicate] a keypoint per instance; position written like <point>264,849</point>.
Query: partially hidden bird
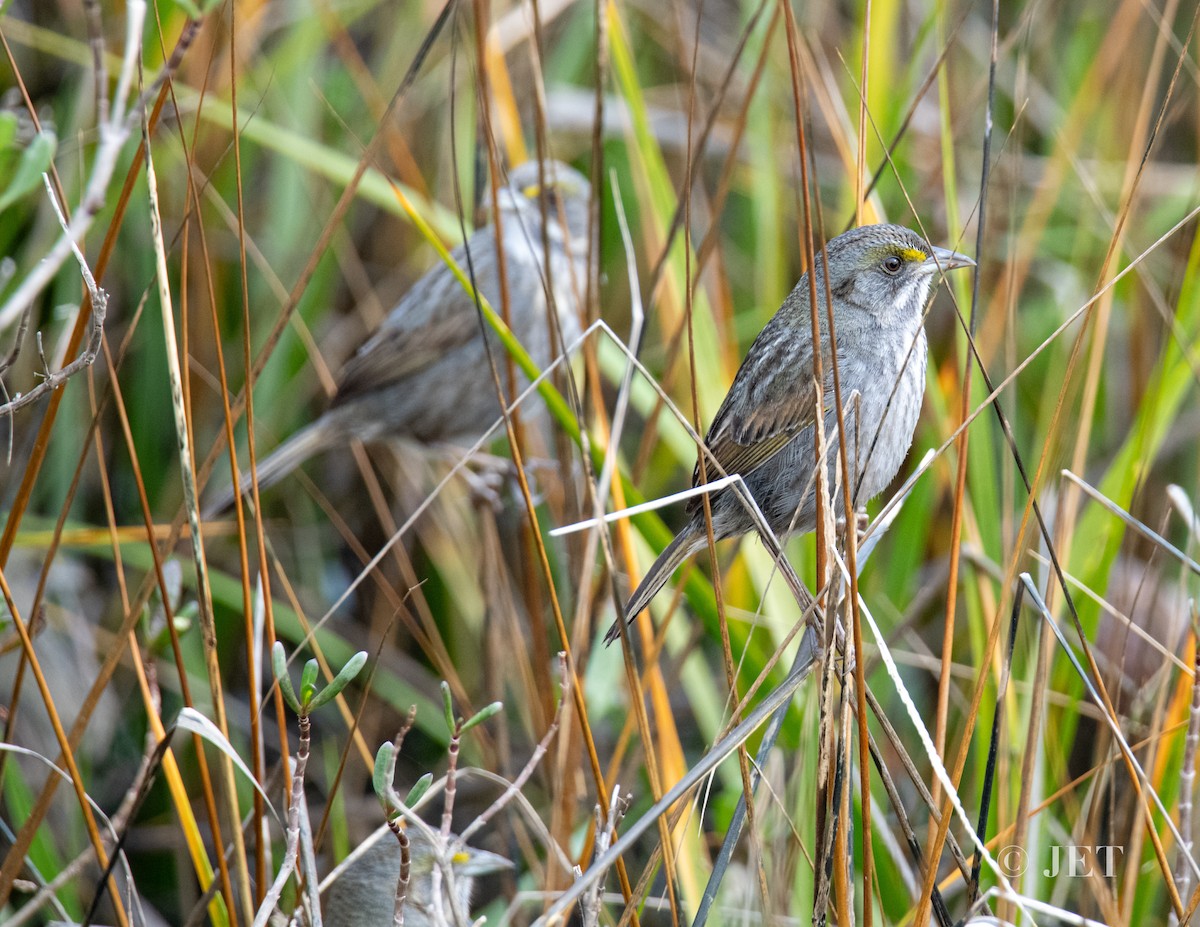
<point>361,892</point>
<point>424,376</point>
<point>879,279</point>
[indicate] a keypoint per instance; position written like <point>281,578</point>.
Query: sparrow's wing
<point>770,402</point>
<point>394,354</point>
<point>436,316</point>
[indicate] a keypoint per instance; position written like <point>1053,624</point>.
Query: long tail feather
<point>279,463</point>
<point>682,546</point>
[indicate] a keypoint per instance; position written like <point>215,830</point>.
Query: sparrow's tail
<point>682,546</point>
<point>310,440</point>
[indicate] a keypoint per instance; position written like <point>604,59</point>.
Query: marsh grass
<point>361,144</point>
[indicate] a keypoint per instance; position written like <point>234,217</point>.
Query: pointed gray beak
<point>481,862</point>
<point>944,259</point>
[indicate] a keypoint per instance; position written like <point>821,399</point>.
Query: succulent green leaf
<point>341,680</point>
<point>279,665</point>
<point>448,705</point>
<point>482,715</point>
<point>381,776</point>
<point>417,792</point>
<point>308,683</point>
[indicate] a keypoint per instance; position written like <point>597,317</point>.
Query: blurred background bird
<point>425,377</point>
<point>361,892</point>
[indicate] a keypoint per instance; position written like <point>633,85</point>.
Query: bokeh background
<point>283,253</point>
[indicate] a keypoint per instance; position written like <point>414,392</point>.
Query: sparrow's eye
<point>892,264</point>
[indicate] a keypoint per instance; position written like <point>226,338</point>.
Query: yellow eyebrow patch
<point>914,255</point>
<point>460,858</point>
<point>533,190</point>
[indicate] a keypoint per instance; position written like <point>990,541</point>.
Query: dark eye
<point>892,264</point>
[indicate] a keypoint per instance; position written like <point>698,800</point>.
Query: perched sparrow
<point>880,278</point>
<point>424,376</point>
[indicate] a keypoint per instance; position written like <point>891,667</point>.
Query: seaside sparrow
<point>880,278</point>
<point>424,376</point>
<point>361,892</point>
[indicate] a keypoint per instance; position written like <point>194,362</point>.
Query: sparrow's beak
<point>944,259</point>
<point>481,862</point>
